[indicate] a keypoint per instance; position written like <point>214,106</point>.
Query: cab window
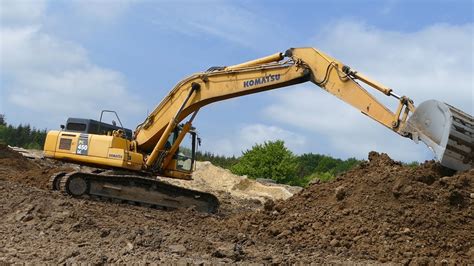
<point>76,127</point>
<point>184,156</point>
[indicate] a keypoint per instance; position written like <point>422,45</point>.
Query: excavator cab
<point>177,159</point>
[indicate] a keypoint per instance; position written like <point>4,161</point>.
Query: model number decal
<point>82,145</point>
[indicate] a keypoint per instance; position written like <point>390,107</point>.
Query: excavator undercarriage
<point>132,189</point>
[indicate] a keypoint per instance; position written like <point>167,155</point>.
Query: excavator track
<point>55,179</point>
<point>133,189</point>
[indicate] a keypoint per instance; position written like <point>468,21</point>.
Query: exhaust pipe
<point>447,131</point>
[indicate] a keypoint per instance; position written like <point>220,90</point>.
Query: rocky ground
<point>381,211</point>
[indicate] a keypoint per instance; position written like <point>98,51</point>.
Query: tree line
<point>22,135</point>
<point>270,160</point>
<point>218,160</point>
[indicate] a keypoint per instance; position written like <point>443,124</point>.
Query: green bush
<point>268,160</point>
<point>413,164</point>
<point>305,180</point>
<point>310,163</point>
<point>323,177</point>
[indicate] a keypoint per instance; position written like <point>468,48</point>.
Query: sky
<point>61,59</point>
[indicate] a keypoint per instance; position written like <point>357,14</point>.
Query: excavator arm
<point>297,65</point>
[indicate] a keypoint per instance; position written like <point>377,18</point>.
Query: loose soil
<point>15,167</point>
<point>235,193</point>
<point>381,211</point>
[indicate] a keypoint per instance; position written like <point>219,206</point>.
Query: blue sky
<point>73,58</point>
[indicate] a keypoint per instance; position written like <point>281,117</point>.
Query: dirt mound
<point>13,160</point>
<point>14,166</point>
<point>381,210</point>
<point>231,188</point>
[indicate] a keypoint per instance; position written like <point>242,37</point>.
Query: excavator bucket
<point>447,131</point>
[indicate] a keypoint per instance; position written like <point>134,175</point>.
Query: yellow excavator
<point>126,164</point>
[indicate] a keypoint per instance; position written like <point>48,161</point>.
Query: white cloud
<point>21,11</point>
<point>435,62</point>
<point>27,48</point>
<point>249,135</point>
<point>53,78</point>
<point>100,10</point>
<point>220,20</point>
<point>259,133</point>
<point>387,7</point>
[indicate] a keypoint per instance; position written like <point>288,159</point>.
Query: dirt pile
<point>233,189</point>
<point>381,211</point>
<point>14,166</point>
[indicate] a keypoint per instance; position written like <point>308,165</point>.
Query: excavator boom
<point>299,65</point>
